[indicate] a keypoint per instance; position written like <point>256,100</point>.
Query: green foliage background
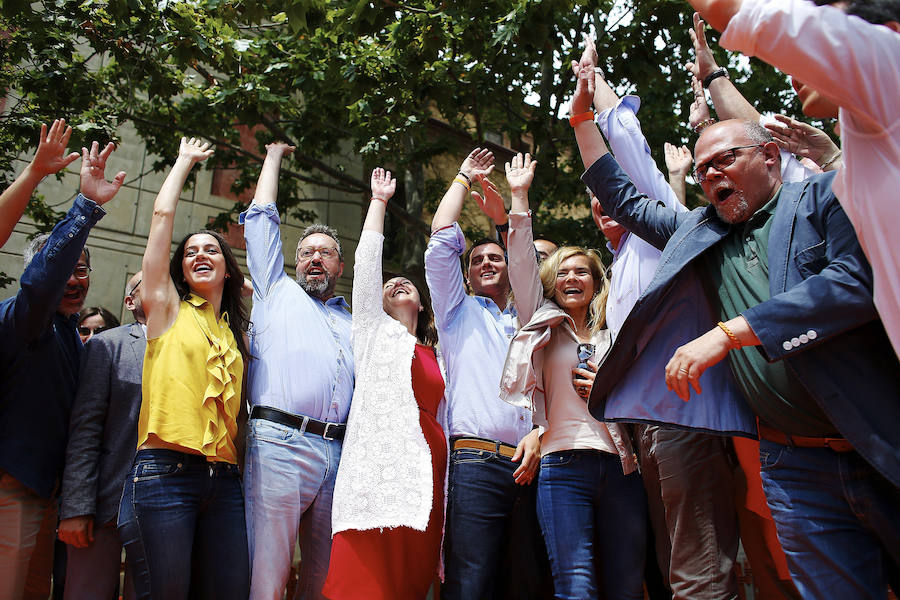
<point>328,75</point>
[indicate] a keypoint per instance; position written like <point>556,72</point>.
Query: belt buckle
<point>325,433</point>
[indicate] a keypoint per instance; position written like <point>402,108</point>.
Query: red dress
<point>400,563</point>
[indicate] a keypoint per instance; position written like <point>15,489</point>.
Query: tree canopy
<point>374,76</point>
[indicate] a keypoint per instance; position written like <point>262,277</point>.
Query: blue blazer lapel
<point>781,234</point>
<point>686,245</point>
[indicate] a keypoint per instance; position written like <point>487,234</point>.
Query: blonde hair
<point>550,268</point>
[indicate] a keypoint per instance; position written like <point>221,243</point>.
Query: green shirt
<point>737,272</point>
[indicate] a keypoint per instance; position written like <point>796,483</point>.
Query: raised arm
<point>728,101</point>
<point>590,141</point>
<point>267,185</point>
<point>367,278</point>
<point>160,299</point>
<point>477,165</point>
<point>492,205</point>
<point>49,158</point>
<point>678,162</point>
<point>523,268</point>
<point>807,141</point>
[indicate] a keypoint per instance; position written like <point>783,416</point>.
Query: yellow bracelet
<point>734,339</point>
<point>462,182</point>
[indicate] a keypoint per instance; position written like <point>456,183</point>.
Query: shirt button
<point>787,345</point>
<point>795,342</point>
<point>812,334</point>
<point>71,235</point>
<point>521,417</point>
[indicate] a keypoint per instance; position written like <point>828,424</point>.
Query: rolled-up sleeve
<point>265,258</point>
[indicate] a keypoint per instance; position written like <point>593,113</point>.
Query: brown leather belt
<point>779,437</point>
<point>488,445</point>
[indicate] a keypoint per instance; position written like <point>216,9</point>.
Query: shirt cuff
<point>450,236</point>
<point>604,118</point>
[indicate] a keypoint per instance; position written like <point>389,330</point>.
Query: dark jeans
<point>838,520</point>
<point>490,517</point>
<point>584,495</point>
<point>182,524</point>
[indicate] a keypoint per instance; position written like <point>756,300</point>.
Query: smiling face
<point>487,271</point>
<point>400,293</point>
<point>318,265</point>
<point>739,189</point>
<point>76,288</point>
<point>203,264</point>
<point>575,285</point>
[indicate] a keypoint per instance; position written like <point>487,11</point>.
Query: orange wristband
<point>734,339</point>
<point>581,118</point>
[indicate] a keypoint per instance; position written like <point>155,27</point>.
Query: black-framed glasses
<point>81,272</point>
<point>131,293</point>
<point>86,331</point>
<point>723,159</point>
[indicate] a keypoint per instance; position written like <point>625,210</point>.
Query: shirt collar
<point>338,301</point>
<point>198,302</point>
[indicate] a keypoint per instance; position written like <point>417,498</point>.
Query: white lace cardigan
<point>385,474</point>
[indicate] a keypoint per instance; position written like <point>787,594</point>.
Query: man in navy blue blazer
<point>782,269</point>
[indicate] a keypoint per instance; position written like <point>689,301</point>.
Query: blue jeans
<point>592,513</point>
<point>288,482</point>
<point>837,518</point>
<point>489,517</point>
<point>181,521</point>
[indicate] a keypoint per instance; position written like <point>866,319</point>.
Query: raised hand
<point>279,148</point>
<point>704,61</point>
<point>478,164</point>
<point>699,108</point>
<point>194,150</point>
<point>804,140</point>
<point>491,204</point>
<point>584,86</point>
<point>93,180</point>
<point>520,173</point>
<point>383,185</point>
<point>51,154</point>
<point>678,160</point>
<point>589,55</point>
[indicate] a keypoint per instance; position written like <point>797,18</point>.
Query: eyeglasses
<point>81,272</point>
<point>720,161</point>
<point>326,253</point>
<point>86,331</point>
<point>131,293</point>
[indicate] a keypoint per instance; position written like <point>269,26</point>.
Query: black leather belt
<point>329,431</point>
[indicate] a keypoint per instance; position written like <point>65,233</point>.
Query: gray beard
<point>317,289</point>
<point>737,212</point>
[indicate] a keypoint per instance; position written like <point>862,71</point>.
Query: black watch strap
<point>720,72</point>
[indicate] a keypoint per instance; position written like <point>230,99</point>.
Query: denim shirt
<point>39,357</point>
<point>302,356</point>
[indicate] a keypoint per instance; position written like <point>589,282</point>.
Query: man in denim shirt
<point>39,361</point>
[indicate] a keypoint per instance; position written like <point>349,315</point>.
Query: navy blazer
<point>103,426</point>
<point>820,318</point>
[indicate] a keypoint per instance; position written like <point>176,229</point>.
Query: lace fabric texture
<point>385,475</point>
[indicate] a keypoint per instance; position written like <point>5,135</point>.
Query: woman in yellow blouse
<point>182,512</point>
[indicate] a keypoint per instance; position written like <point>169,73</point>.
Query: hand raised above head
<point>50,156</point>
<point>491,204</point>
<point>93,179</point>
<point>478,164</point>
<point>194,150</point>
<point>678,160</point>
<point>383,185</point>
<point>520,172</point>
<point>282,148</point>
<point>802,139</point>
<point>584,87</point>
<point>704,61</point>
<point>699,108</point>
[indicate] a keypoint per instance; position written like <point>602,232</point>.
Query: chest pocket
<point>812,260</point>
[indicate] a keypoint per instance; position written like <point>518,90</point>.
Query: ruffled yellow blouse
<point>192,383</point>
